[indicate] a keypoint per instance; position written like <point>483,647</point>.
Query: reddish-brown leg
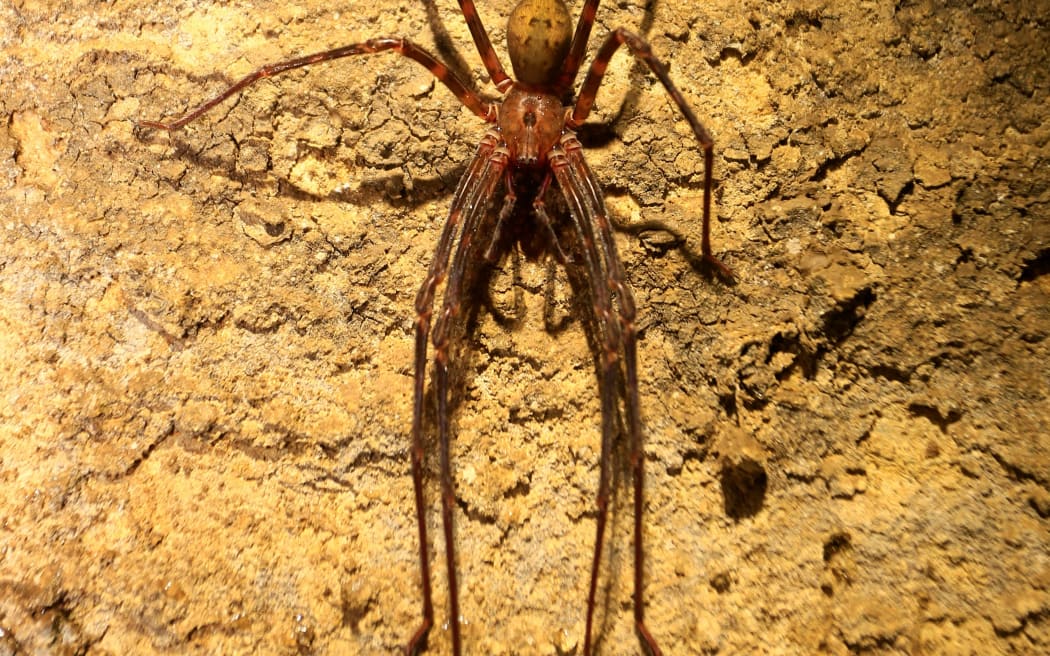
<point>469,205</point>
<point>578,49</point>
<point>424,305</point>
<point>481,40</point>
<point>403,47</point>
<point>617,283</point>
<point>585,102</point>
<point>614,318</point>
<point>506,211</point>
<point>539,207</point>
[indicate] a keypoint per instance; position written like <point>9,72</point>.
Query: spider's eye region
<point>539,33</point>
<point>531,124</point>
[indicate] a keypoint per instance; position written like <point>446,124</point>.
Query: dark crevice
<point>836,544</point>
<point>150,448</point>
<point>721,582</point>
<point>935,416</point>
<point>353,614</point>
<point>840,322</point>
<point>834,163</point>
<point>1013,471</point>
<point>728,403</point>
<point>803,18</point>
<point>734,52</point>
<point>328,482</point>
<point>475,514</point>
<point>802,477</point>
<point>1037,266</point>
<point>176,343</point>
<point>905,191</point>
<point>792,344</point>
<point>520,489</point>
<point>744,488</point>
<point>890,373</point>
<point>690,455</point>
<point>782,343</point>
<point>876,644</point>
<point>1022,621</point>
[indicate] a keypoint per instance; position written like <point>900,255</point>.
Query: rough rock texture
<point>206,343</point>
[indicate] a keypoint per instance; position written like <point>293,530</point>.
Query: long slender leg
<point>468,208</point>
<point>539,206</point>
<point>403,47</point>
<point>510,198</point>
<point>481,40</point>
<point>584,218</point>
<point>463,212</point>
<point>477,201</point>
<point>617,284</point>
<point>481,195</point>
<point>585,102</point>
<point>578,49</point>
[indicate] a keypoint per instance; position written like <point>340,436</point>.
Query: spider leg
<point>485,49</point>
<point>403,47</point>
<point>469,204</point>
<point>423,305</point>
<point>616,324</point>
<point>578,48</point>
<point>617,283</point>
<point>539,207</point>
<point>505,212</point>
<point>585,102</point>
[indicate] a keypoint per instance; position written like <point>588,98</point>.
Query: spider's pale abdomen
<point>530,123</point>
<point>539,33</point>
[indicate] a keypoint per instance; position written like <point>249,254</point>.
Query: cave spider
<point>530,144</point>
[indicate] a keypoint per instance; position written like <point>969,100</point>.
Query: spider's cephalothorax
<point>531,142</point>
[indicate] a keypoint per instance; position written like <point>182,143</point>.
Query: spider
<point>530,148</point>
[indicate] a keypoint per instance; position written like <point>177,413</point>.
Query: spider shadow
<point>619,469</point>
<point>447,50</point>
<point>387,185</point>
<point>678,242</point>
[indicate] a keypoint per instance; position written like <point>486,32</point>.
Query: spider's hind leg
<point>614,315</point>
<point>469,206</point>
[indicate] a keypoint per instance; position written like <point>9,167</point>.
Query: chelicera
<point>531,151</point>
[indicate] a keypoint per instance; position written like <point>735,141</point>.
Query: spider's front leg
<point>403,47</point>
<point>585,102</point>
